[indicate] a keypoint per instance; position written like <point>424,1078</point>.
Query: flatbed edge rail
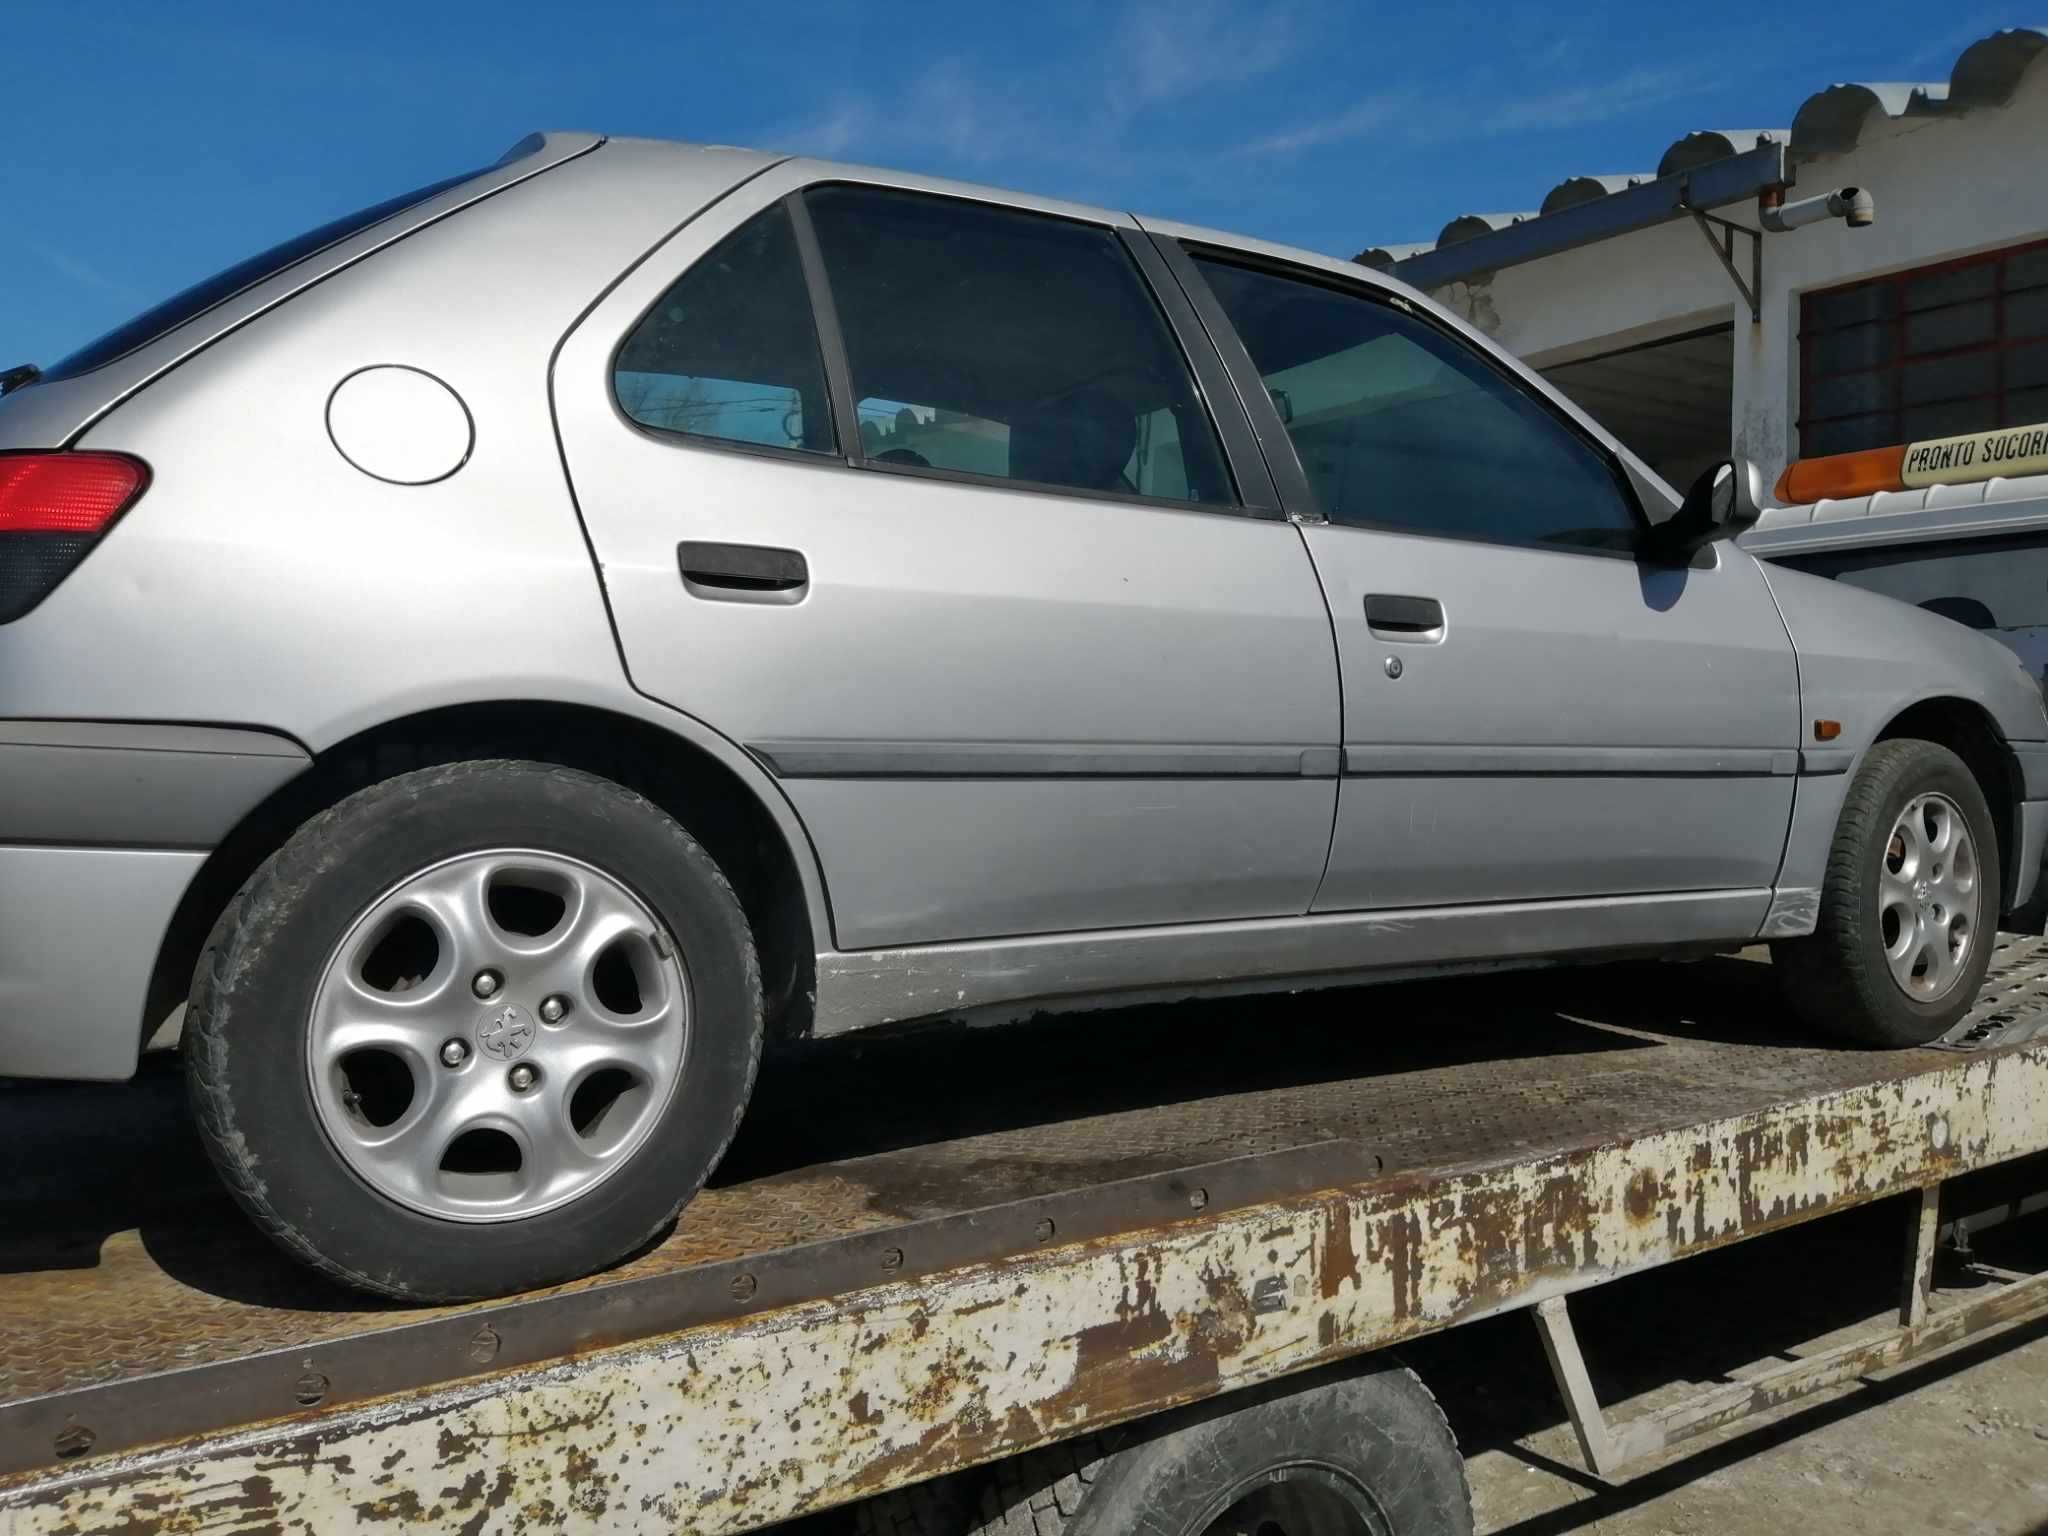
<point>728,1426</point>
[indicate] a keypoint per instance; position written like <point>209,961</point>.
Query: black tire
<point>1836,978</point>
<point>943,1506</point>
<point>1364,1450</point>
<point>245,1037</point>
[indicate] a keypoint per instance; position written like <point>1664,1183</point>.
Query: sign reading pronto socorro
<point>1976,456</point>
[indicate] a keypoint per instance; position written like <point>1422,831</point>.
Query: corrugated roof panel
<point>1829,122</point>
<point>1704,145</point>
<point>1574,190</point>
<point>1466,226</point>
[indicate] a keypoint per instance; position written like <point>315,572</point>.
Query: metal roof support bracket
<point>1724,252</point>
<point>1716,184</point>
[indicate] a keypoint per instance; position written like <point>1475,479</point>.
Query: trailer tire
<point>1838,979</point>
<point>1329,1455</point>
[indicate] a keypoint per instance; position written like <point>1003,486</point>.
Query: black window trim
<point>1296,494</point>
<point>839,374</point>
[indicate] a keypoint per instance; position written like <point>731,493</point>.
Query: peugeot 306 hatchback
<point>503,656</point>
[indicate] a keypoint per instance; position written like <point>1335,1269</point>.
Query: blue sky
<point>149,144</point>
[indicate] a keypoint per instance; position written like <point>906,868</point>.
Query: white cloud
<point>87,276</point>
<point>964,111</point>
<point>1402,116</point>
<point>1353,122</point>
<point>1597,102</point>
<point>1165,51</point>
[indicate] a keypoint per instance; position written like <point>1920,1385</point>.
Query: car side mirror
<point>1724,501</point>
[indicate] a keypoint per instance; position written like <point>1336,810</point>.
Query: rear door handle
<point>1415,620</point>
<point>742,572</point>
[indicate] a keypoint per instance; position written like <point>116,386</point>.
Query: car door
<point>1531,713</point>
<point>920,500</point>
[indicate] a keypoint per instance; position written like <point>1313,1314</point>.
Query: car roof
<point>826,170</point>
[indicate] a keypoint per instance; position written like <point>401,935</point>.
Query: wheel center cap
<point>1922,889</point>
<point>505,1032</point>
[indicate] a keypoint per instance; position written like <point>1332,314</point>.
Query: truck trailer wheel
<point>1363,1453</point>
<point>1908,906</point>
<point>479,1028</point>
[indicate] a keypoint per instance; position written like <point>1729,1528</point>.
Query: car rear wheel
<point>1909,905</point>
<point>479,1028</point>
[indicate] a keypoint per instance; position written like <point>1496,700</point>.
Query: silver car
<point>501,657</point>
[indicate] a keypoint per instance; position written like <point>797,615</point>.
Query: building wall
<point>1945,186</point>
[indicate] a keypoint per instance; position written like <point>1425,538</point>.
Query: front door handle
<point>1414,620</point>
<point>742,572</point>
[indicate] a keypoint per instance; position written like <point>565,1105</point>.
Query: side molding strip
<point>807,759</point>
<point>1037,760</point>
<point>1590,762</point>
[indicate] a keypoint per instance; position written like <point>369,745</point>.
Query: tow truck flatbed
<point>939,1248</point>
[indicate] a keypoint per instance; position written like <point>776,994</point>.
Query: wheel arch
<point>1968,730</point>
<point>728,806</point>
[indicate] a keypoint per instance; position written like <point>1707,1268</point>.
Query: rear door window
<point>1009,345</point>
<point>730,352</point>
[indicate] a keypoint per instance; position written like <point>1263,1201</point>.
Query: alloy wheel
<point>1928,897</point>
<point>497,1034</point>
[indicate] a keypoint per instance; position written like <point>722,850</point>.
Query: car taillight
<point>53,508</point>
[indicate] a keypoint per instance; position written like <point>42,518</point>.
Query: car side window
<point>1400,425</point>
<point>987,341</point>
<point>730,351</point>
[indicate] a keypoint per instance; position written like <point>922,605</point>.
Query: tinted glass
<point>731,351</point>
<point>1997,585</point>
<point>1400,425</point>
<point>222,286</point>
<point>991,342</point>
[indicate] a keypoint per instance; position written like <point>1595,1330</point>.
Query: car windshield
<point>222,286</point>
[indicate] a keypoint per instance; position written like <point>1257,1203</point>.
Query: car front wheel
<point>479,1028</point>
<point>1909,905</point>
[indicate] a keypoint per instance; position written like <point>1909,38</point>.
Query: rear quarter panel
<point>264,580</point>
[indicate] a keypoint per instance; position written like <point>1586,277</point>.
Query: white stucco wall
<point>1945,186</point>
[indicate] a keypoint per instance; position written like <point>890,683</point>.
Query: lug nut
<point>453,1053</point>
<point>486,984</point>
<point>552,1009</point>
<point>522,1077</point>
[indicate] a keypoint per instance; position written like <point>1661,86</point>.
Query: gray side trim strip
<point>1038,760</point>
<point>1604,762</point>
<point>124,736</point>
<point>102,784</point>
<point>1817,761</point>
<point>1186,959</point>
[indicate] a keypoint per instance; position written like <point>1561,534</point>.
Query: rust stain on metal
<point>728,1426</point>
<point>1646,1197</point>
<point>1394,1242</point>
<point>1339,1259</point>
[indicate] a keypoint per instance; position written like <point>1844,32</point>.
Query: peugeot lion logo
<point>505,1032</point>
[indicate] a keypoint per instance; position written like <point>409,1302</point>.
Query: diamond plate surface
<point>119,1258</point>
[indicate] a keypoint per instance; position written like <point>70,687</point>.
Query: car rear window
<point>222,286</point>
